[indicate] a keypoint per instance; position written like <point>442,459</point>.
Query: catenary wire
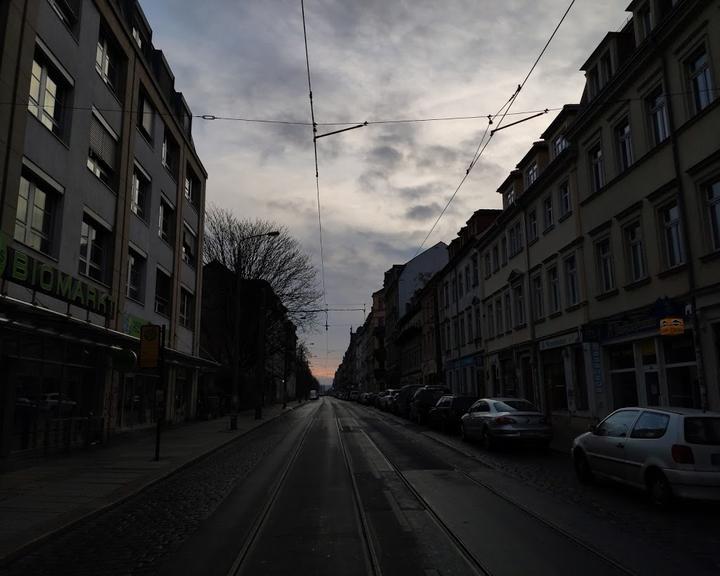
<point>485,140</point>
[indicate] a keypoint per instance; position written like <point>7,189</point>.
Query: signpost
<point>152,342</point>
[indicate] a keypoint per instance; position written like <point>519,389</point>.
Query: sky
<point>381,186</point>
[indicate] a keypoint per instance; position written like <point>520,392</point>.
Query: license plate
<point>715,459</point>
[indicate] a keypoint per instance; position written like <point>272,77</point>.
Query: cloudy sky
<point>381,186</point>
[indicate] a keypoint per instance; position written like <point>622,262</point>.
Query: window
<point>571,281</point>
<point>645,21</point>
<point>617,425</point>
<point>170,153</point>
<point>559,144</point>
<point>135,276</point>
<point>657,112</point>
<point>509,196</point>
<point>503,250</point>
<point>490,321</point>
<point>672,241</point>
<point>107,61</point>
<point>701,85</point>
<point>513,241</point>
<point>515,238</point>
<point>453,290</point>
<point>519,298</point>
<point>166,224</point>
<point>140,193</point>
<point>47,95</point>
<point>469,325</point>
<point>475,272</point>
<point>189,246</point>
<point>67,11</point>
<point>635,252</point>
<point>35,216</point>
<point>187,308</point>
<point>461,284</point>
<point>606,274</point>
<point>508,311</point>
<point>532,225</point>
<point>548,219</point>
<point>531,175</point>
<point>624,145</point>
<point>102,153</point>
<point>146,116</point>
<point>597,168</point>
<point>163,293</point>
<point>499,316</point>
<point>478,323</point>
<point>192,188</point>
<point>606,68</point>
<point>488,267</point>
<point>467,278</point>
<point>593,81</point>
<point>94,250</point>
<point>712,196</point>
<point>650,425</point>
<point>565,200</point>
<point>447,295</point>
<point>554,289</point>
<point>538,298</point>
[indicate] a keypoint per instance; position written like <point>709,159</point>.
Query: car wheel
<point>487,440</point>
<point>582,467</point>
<point>659,489</point>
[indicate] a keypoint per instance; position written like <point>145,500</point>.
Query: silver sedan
<point>499,419</point>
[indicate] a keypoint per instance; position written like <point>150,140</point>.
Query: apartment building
<point>101,219</point>
<point>601,283</point>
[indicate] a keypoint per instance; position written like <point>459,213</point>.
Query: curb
<point>10,558</point>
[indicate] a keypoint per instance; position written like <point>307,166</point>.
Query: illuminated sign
<point>18,267</point>
<point>672,327</point>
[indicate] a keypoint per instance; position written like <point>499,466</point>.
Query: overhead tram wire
<point>482,146</point>
<point>317,172</point>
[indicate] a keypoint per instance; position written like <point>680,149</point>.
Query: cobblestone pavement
<point>135,536</point>
<point>691,527</point>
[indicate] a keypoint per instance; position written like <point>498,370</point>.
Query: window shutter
<point>102,143</point>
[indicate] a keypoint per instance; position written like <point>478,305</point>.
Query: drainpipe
<point>699,359</point>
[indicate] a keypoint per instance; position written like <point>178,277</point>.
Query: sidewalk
<point>47,497</point>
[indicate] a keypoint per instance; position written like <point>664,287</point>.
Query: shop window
<point>94,250</point>
<point>581,391</point>
<point>621,357</point>
<point>554,379</point>
<point>35,218</point>
<point>648,354</point>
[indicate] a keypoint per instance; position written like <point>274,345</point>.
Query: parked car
<point>370,398</point>
<point>494,420</point>
<point>354,395</point>
<point>423,400</point>
<point>448,410</point>
<point>667,451</point>
<point>401,405</point>
<point>386,399</point>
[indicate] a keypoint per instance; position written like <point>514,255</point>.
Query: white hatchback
<point>668,451</point>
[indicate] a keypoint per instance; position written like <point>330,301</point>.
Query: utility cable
<point>317,172</point>
<point>485,140</point>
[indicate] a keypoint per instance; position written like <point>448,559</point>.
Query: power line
<point>505,110</point>
<point>317,173</point>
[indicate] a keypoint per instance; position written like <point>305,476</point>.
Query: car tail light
<point>682,454</point>
<point>502,420</point>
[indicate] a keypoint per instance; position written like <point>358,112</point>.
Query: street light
<point>236,331</point>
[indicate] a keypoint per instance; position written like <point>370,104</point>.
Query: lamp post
<point>236,327</point>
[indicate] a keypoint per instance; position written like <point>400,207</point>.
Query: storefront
<point>465,375</point>
<point>563,370</point>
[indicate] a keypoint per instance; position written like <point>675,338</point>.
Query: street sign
<point>672,327</point>
<point>150,341</point>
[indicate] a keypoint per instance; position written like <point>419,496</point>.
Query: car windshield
<point>702,430</point>
<point>514,406</point>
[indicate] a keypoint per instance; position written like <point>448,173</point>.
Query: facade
<point>101,218</point>
<point>409,343</point>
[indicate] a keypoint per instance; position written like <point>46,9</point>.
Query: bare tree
<point>240,246</point>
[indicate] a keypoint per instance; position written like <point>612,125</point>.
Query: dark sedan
<point>447,412</point>
<point>424,399</point>
<point>493,420</point>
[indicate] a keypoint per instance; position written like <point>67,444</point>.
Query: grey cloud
<point>423,211</point>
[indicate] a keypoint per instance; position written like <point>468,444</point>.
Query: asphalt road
<point>334,488</point>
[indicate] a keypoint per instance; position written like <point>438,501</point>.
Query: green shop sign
<point>21,268</point>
